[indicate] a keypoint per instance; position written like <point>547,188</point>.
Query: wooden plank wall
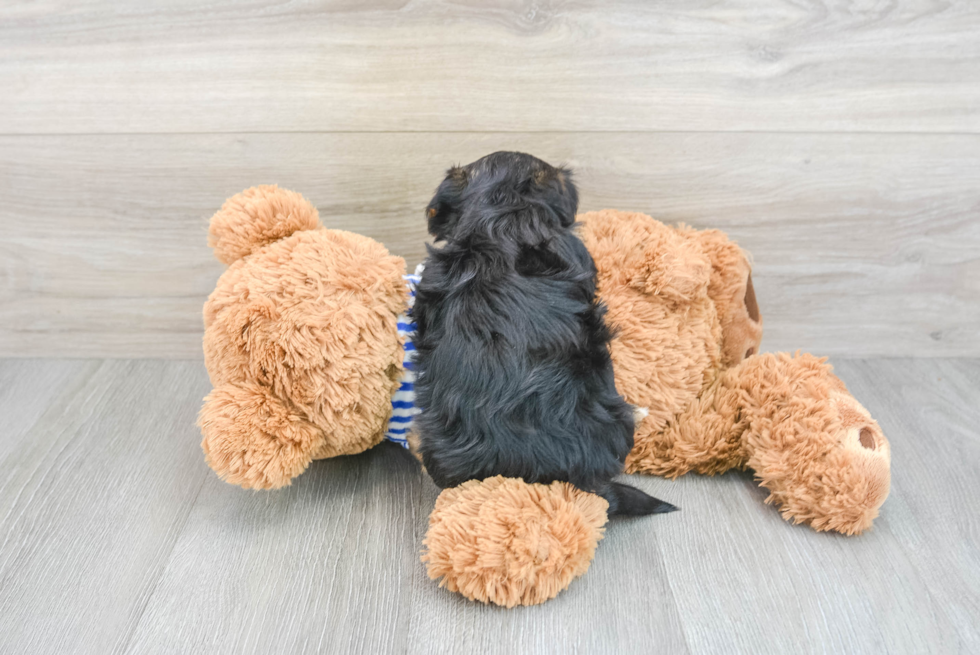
<point>838,141</point>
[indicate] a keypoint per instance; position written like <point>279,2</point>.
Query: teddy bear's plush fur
<point>302,347</point>
<point>506,542</point>
<point>688,327</point>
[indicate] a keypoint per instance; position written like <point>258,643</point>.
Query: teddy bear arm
<point>705,438</point>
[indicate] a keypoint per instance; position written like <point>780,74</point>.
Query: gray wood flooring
<point>116,538</point>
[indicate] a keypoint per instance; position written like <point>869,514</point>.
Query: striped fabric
<point>403,409</point>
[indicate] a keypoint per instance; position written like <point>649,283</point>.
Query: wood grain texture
<point>114,537</point>
<point>908,585</point>
<point>933,410</point>
<point>95,484</point>
<point>322,566</point>
<point>507,65</point>
<point>863,244</point>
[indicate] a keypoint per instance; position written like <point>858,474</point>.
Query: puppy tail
<point>625,500</point>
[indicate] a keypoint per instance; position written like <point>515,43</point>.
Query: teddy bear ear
<point>674,268</point>
<point>733,293</point>
<point>256,217</point>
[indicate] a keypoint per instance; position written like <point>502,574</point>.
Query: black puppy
<point>513,370</point>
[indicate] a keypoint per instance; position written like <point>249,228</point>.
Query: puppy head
<point>510,187</point>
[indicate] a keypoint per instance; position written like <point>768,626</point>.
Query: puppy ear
<point>559,192</point>
<point>444,209</point>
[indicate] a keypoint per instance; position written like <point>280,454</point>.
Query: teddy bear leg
<point>253,439</point>
<point>705,438</point>
<point>507,542</point>
<point>819,453</point>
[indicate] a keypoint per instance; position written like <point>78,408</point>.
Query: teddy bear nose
<point>867,438</point>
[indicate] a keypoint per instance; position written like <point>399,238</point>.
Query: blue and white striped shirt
<point>403,409</point>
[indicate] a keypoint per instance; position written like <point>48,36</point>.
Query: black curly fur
<point>514,376</point>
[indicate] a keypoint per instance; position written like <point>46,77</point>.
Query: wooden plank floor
<point>116,538</point>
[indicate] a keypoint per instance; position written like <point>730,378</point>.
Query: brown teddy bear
<point>688,332</point>
<point>305,345</point>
